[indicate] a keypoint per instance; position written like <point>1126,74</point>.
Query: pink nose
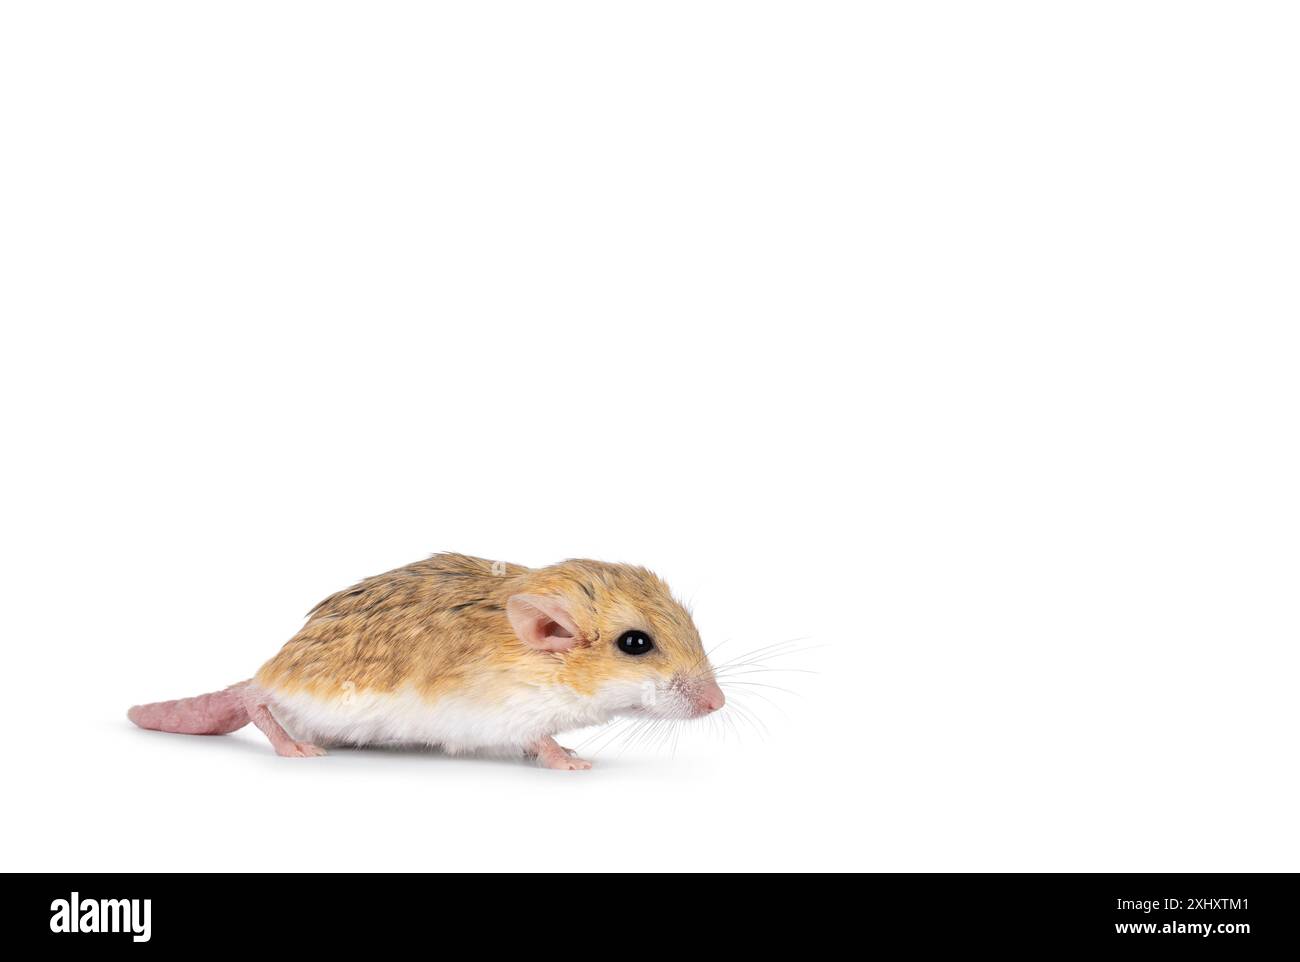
<point>711,698</point>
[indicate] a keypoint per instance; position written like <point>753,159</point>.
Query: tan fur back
<point>440,626</point>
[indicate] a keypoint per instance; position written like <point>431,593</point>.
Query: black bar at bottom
<point>163,912</point>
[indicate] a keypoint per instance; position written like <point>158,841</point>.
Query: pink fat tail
<point>213,714</point>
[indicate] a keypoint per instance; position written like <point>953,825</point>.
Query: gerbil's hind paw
<point>299,750</point>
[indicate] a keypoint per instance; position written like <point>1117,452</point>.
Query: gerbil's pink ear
<point>542,622</point>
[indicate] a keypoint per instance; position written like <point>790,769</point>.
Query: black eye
<point>634,642</point>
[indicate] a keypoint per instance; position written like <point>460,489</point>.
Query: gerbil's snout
<point>686,696</point>
<point>709,698</point>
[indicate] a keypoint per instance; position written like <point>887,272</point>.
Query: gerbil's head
<point>621,636</point>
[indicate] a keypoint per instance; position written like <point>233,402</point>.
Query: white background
<point>958,340</point>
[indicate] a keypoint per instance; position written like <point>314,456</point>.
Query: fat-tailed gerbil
<point>465,654</point>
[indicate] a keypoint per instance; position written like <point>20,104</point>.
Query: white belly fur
<point>456,723</point>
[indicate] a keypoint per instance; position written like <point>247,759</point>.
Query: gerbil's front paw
<point>565,763</point>
<point>552,755</point>
<point>299,750</point>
